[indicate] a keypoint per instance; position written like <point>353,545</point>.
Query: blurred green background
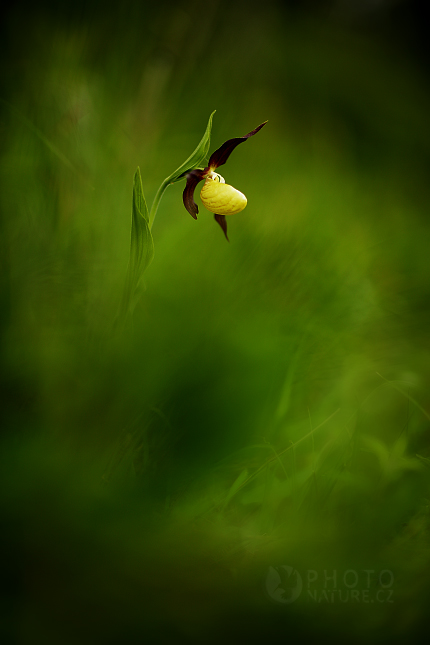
<point>268,404</point>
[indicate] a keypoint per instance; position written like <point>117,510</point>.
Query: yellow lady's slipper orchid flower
<point>217,196</point>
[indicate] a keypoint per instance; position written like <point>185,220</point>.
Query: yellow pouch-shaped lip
<point>222,198</point>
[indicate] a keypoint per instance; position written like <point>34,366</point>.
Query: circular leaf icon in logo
<point>283,584</point>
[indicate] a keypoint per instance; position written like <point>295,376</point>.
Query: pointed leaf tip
<point>196,158</point>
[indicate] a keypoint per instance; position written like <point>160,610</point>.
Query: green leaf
<point>195,160</point>
<point>141,245</point>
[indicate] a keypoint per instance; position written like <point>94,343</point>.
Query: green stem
<point>156,202</point>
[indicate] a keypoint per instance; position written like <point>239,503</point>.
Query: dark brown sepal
<point>220,156</point>
<point>193,178</point>
<point>223,223</point>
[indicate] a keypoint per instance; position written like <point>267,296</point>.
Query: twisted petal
<point>223,223</point>
<point>193,178</point>
<point>220,156</point>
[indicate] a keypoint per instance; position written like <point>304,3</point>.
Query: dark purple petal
<point>223,223</point>
<point>220,156</point>
<point>193,178</point>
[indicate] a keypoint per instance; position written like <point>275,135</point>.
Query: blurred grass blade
<point>45,140</point>
<point>195,160</point>
<point>424,460</point>
<point>141,246</point>
<point>406,394</point>
<point>238,482</point>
